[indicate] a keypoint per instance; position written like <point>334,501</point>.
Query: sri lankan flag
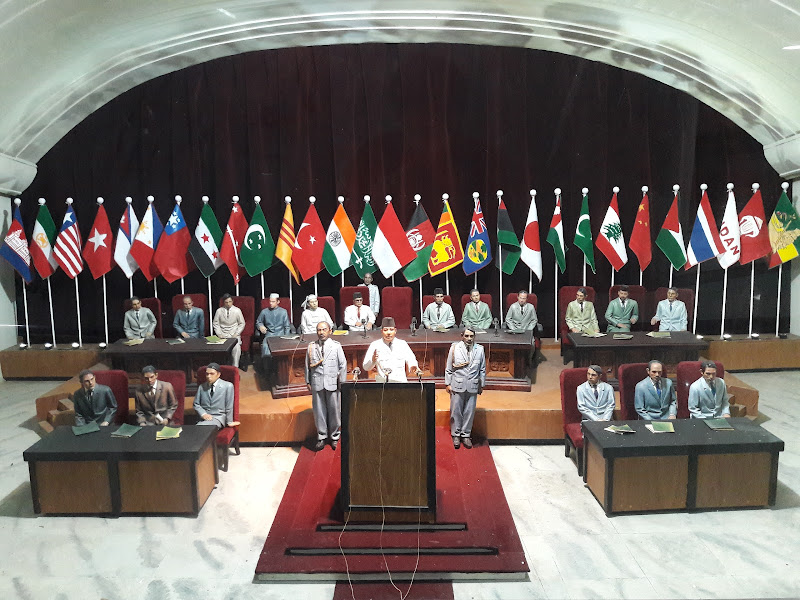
<point>784,232</point>
<point>447,251</point>
<point>286,240</point>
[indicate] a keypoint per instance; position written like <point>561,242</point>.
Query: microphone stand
<point>364,328</point>
<point>414,326</point>
<point>496,324</point>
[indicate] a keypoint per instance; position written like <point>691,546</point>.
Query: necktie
<point>581,306</point>
<point>658,389</point>
<point>188,312</point>
<point>475,304</point>
<point>596,393</point>
<point>358,313</point>
<point>137,316</point>
<point>89,396</point>
<point>623,303</point>
<point>670,306</point>
<point>211,391</point>
<point>227,313</point>
<point>438,312</point>
<point>713,389</point>
<point>522,310</point>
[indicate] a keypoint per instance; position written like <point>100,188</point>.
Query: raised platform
<point>36,362</point>
<point>764,354</point>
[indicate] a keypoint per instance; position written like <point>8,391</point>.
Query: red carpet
<point>379,591</point>
<point>482,542</point>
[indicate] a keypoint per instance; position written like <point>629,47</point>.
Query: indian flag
<point>338,242</point>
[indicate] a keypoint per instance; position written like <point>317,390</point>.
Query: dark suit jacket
<point>101,409</point>
<point>147,404</point>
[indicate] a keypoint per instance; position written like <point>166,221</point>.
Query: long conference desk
<point>508,365</point>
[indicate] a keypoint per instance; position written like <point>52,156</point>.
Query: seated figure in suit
<point>671,313</point>
<point>229,323</point>
<point>93,401</point>
<point>155,400</point>
<point>654,397</point>
<point>595,397</point>
<point>313,314</point>
<point>326,370</point>
<point>476,315</point>
<point>273,321</point>
<point>465,378</point>
<point>708,396</point>
<point>437,314</point>
<point>357,312</point>
<point>521,316</point>
<point>213,401</point>
<point>622,312</point>
<point>189,322</point>
<point>580,315</point>
<point>140,322</point>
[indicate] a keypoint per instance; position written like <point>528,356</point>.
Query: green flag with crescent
<point>258,248</point>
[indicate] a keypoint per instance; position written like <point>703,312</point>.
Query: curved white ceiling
<point>62,59</point>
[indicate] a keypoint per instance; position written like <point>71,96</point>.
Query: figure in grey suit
<point>595,397</point>
<point>465,378</point>
<point>708,396</point>
<point>273,321</point>
<point>326,369</point>
<point>438,314</point>
<point>213,401</point>
<point>671,313</point>
<point>93,401</point>
<point>654,397</point>
<point>189,322</point>
<point>229,323</point>
<point>476,314</point>
<point>139,322</point>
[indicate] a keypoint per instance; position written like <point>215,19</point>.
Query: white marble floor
<point>574,550</point>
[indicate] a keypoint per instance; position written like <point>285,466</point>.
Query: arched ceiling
<point>62,59</point>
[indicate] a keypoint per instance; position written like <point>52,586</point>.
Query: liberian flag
<point>68,245</point>
<point>610,240</point>
<point>704,244</point>
<point>128,226</point>
<point>145,243</point>
<point>531,246</point>
<point>391,250</point>
<point>338,242</point>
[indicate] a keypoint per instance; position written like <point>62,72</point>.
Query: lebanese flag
<point>309,244</point>
<point>391,250</point>
<point>531,245</point>
<point>232,242</point>
<point>640,243</point>
<point>729,234</point>
<point>97,252</point>
<point>753,230</point>
<point>146,241</point>
<point>170,256</point>
<point>610,240</point>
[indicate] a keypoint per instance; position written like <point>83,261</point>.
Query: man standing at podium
<point>391,357</point>
<point>465,377</point>
<point>326,369</point>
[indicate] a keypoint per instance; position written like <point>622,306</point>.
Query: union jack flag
<point>478,225</point>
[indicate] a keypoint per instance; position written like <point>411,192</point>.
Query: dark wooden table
<point>693,468</point>
<point>508,365</point>
<point>100,475</point>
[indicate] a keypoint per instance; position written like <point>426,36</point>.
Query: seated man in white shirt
<point>438,315</point>
<point>357,316</point>
<point>313,314</point>
<point>392,358</point>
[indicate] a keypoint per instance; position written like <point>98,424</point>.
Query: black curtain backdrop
<point>404,119</point>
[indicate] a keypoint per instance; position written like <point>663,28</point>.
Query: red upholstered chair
<point>329,304</point>
<point>118,382</point>
<point>178,381</point>
<point>199,300</point>
<point>396,302</point>
<point>228,436</point>
<point>629,375</point>
<point>566,294</point>
<point>638,293</point>
<point>247,304</point>
<point>154,304</point>
<point>283,301</point>
<point>688,373</point>
<point>685,295</point>
<point>571,417</point>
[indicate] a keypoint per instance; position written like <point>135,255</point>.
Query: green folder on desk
<point>620,429</point>
<point>169,433</point>
<point>213,339</point>
<point>90,427</point>
<point>719,424</point>
<point>661,427</point>
<point>126,431</point>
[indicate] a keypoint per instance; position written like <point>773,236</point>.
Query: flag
<point>232,242</point>
<point>68,245</point>
<point>784,232</point>
<point>170,255</point>
<point>610,240</point>
<point>258,249</point>
<point>338,242</point>
<point>555,237</point>
<point>42,240</point>
<point>704,243</point>
<point>479,251</point>
<point>446,252</point>
<point>128,226</point>
<point>420,234</point>
<point>729,234</point>
<point>283,250</point>
<point>640,243</point>
<point>531,245</point>
<point>146,241</point>
<point>583,232</point>
<point>309,245</point>
<point>670,238</point>
<point>754,234</point>
<point>361,258</point>
<point>508,249</point>
<point>97,252</point>
<point>15,248</point>
<point>391,250</point>
<point>205,244</point>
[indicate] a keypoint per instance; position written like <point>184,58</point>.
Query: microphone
<point>302,339</point>
<point>413,325</point>
<point>496,324</point>
<point>364,327</point>
<point>356,373</point>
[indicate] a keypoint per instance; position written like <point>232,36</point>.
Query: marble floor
<point>574,550</point>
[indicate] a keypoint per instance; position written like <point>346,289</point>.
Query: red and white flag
<point>68,245</point>
<point>531,246</point>
<point>391,250</point>
<point>753,230</point>
<point>309,244</point>
<point>610,240</point>
<point>729,234</point>
<point>232,241</point>
<point>97,252</point>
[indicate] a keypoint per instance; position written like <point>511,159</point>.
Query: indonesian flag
<point>97,252</point>
<point>640,243</point>
<point>42,240</point>
<point>610,240</point>
<point>285,245</point>
<point>704,243</point>
<point>68,245</point>
<point>146,241</point>
<point>338,242</point>
<point>729,234</point>
<point>391,250</point>
<point>232,241</point>
<point>128,226</point>
<point>531,245</point>
<point>753,230</point>
<point>309,244</point>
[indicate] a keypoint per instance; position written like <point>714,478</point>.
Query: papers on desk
<point>661,427</point>
<point>719,424</point>
<point>658,334</point>
<point>169,433</point>
<point>90,427</point>
<point>174,341</point>
<point>213,339</point>
<point>596,334</point>
<point>133,342</point>
<point>623,336</point>
<point>289,337</point>
<point>126,431</point>
<point>341,332</point>
<point>620,429</point>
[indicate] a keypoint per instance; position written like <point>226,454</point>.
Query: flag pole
<point>557,192</point>
<point>210,305</point>
<point>447,281</point>
<point>291,298</point>
<point>584,270</point>
<point>671,268</point>
<point>724,303</point>
<point>696,294</point>
<point>105,308</point>
<point>778,310</point>
<point>315,285</point>
<point>77,297</point>
<point>52,322</point>
<point>421,308</point>
<point>475,281</point>
<point>262,285</point>
<point>25,306</point>
<point>752,285</point>
<point>613,272</point>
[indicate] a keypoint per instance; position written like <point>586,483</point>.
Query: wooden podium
<point>388,452</point>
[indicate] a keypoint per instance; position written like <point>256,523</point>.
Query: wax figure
<point>229,323</point>
<point>189,322</point>
<point>477,315</point>
<point>438,314</point>
<point>390,356</point>
<point>273,321</point>
<point>155,400</point>
<point>93,401</point>
<point>326,370</point>
<point>140,322</point>
<point>521,316</point>
<point>654,397</point>
<point>671,313</point>
<point>356,312</point>
<point>622,312</point>
<point>595,397</point>
<point>708,396</point>
<point>313,314</point>
<point>465,378</point>
<point>213,401</point>
<point>374,294</point>
<point>580,315</point>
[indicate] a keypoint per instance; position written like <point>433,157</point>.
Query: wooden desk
<point>508,365</point>
<point>98,474</point>
<point>695,467</point>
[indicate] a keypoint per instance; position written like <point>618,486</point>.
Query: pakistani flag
<point>508,250</point>
<point>361,258</point>
<point>258,249</point>
<point>206,242</point>
<point>670,238</point>
<point>555,237</point>
<point>583,233</point>
<point>420,234</point>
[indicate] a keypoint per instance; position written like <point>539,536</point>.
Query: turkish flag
<point>309,244</point>
<point>232,242</point>
<point>97,253</point>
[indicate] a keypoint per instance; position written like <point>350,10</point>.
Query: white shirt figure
<point>312,315</point>
<point>355,313</point>
<point>390,356</point>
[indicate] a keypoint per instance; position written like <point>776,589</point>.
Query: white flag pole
<point>262,285</point>
<point>210,306</point>
<point>315,285</point>
<point>77,297</point>
<point>696,298</point>
<point>755,186</point>
<point>778,310</point>
<point>584,270</point>
<point>557,192</point>
<point>17,202</point>
<point>671,269</point>
<point>150,200</point>
<point>130,286</point>
<point>499,262</point>
<point>613,273</point>
<point>421,308</point>
<point>52,322</point>
<point>724,302</point>
<point>105,294</point>
<point>447,282</point>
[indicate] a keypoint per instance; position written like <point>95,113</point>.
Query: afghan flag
<point>446,252</point>
<point>508,250</point>
<point>583,232</point>
<point>784,232</point>
<point>420,234</point>
<point>361,258</point>
<point>391,250</point>
<point>285,246</point>
<point>42,240</point>
<point>610,240</point>
<point>640,243</point>
<point>204,247</point>
<point>258,249</point>
<point>338,242</point>
<point>479,251</point>
<point>555,237</point>
<point>670,238</point>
